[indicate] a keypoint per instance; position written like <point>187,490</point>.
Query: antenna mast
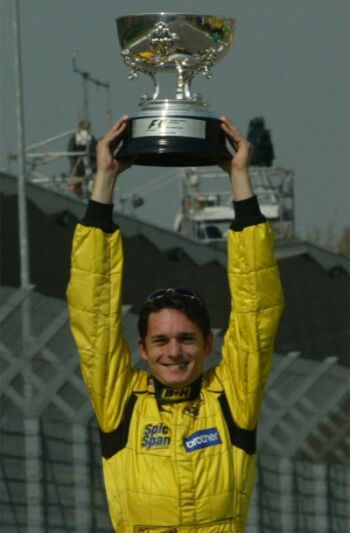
<point>86,78</point>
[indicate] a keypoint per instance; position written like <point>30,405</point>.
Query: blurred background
<point>288,65</point>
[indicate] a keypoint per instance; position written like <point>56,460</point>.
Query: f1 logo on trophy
<point>176,131</point>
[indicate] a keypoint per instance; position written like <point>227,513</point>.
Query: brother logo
<point>202,439</point>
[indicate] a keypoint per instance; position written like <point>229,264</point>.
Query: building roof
<point>316,282</point>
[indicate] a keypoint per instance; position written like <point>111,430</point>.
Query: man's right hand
<point>238,167</point>
<point>109,168</point>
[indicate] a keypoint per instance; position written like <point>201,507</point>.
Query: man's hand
<point>109,168</point>
<point>238,167</point>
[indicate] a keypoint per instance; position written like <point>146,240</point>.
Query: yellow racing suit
<point>176,460</point>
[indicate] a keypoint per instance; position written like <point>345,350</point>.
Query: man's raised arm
<point>256,293</point>
<point>94,291</point>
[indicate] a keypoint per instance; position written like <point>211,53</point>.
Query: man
<point>178,444</point>
<point>260,139</point>
<point>83,165</point>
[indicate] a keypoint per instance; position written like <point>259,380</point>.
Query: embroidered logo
<point>172,395</point>
<point>193,409</point>
<point>202,439</point>
<point>156,436</point>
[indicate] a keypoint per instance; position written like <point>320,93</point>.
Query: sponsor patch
<point>193,410</point>
<point>156,436</point>
<point>176,394</point>
<point>202,439</point>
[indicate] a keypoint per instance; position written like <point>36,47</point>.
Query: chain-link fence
<point>52,482</point>
<point>47,493</point>
<point>294,495</point>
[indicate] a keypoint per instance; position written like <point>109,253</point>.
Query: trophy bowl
<point>179,130</point>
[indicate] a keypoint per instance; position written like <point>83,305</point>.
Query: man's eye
<point>187,339</point>
<point>159,342</point>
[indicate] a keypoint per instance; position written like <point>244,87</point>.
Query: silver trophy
<point>180,130</point>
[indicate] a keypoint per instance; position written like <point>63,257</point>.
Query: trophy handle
<point>147,97</point>
<point>186,73</point>
<point>207,59</point>
<point>137,65</point>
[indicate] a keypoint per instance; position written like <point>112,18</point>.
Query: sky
<point>289,63</point>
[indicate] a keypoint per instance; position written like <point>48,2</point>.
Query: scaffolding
<point>206,206</point>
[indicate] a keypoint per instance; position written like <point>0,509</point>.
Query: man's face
<point>174,348</point>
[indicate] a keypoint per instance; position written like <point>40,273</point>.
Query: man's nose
<point>174,347</point>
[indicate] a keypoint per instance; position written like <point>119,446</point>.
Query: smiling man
<point>174,337</point>
<point>178,444</point>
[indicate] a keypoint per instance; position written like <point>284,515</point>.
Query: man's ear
<point>142,349</point>
<point>209,344</point>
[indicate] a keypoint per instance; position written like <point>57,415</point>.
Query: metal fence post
<point>287,503</point>
<point>33,475</point>
<point>81,478</point>
<point>253,525</point>
<point>321,517</point>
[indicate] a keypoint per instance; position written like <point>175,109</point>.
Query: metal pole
<point>85,96</point>
<point>82,493</point>
<point>31,425</point>
<point>50,139</point>
<point>109,107</point>
<point>22,205</point>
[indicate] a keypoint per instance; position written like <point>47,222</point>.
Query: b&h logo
<point>172,395</point>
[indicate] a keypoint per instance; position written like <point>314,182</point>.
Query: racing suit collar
<point>166,394</point>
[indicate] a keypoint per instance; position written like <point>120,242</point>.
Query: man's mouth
<point>181,365</point>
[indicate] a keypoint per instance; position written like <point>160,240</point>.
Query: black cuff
<point>99,215</point>
<point>247,213</point>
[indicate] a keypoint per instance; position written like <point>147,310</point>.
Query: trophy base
<point>183,142</point>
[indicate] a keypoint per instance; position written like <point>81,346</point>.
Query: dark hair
<point>84,124</point>
<point>193,308</point>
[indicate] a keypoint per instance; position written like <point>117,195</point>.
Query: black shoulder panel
<point>114,441</point>
<point>241,438</point>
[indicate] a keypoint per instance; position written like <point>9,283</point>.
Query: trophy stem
<point>183,83</point>
<point>156,87</point>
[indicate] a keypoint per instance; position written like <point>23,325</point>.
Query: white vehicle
<point>207,215</point>
<point>204,216</point>
<point>268,202</point>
